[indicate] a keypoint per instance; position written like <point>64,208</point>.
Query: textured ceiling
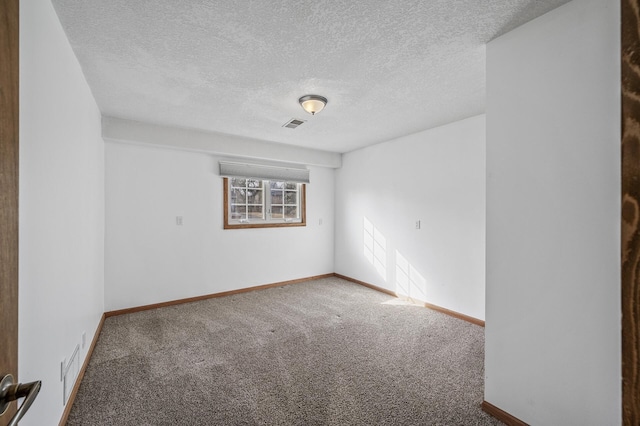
<point>388,67</point>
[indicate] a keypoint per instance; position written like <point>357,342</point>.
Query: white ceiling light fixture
<point>312,103</point>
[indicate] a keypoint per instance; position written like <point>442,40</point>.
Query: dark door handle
<point>10,391</point>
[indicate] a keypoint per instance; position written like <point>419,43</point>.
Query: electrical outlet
<point>320,221</point>
<point>179,220</point>
<point>417,224</point>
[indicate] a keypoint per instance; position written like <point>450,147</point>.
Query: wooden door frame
<point>630,211</point>
<point>9,164</point>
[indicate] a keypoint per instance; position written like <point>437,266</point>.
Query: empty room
<point>319,212</point>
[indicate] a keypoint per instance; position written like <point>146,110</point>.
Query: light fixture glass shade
<point>312,103</point>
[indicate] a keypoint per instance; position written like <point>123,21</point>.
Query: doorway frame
<point>9,187</point>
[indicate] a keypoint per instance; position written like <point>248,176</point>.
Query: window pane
<point>255,212</point>
<point>276,212</point>
<point>251,183</point>
<point>291,185</point>
<point>291,212</point>
<point>238,182</point>
<point>277,185</point>
<point>291,197</point>
<point>254,196</point>
<point>276,197</point>
<point>237,196</point>
<point>238,212</point>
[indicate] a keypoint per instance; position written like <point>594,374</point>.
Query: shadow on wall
<point>409,282</point>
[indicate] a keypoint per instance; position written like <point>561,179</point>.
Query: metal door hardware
<point>10,391</point>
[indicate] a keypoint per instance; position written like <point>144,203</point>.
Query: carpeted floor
<point>325,352</point>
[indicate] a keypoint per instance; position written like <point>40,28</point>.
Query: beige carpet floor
<point>324,352</point>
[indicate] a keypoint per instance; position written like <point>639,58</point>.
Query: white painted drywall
<point>150,259</point>
<point>553,218</point>
<point>437,177</point>
<point>120,130</point>
<point>61,208</point>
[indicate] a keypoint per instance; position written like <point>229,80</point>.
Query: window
<point>255,203</point>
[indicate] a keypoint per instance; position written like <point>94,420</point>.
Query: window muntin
<point>285,200</point>
<point>254,203</point>
<point>246,199</point>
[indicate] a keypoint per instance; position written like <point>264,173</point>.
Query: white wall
<point>61,208</point>
<point>149,259</point>
<point>128,131</point>
<point>553,218</point>
<point>436,176</point>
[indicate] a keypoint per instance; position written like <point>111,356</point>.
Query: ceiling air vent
<point>293,123</point>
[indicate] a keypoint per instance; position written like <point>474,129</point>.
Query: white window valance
<point>264,172</point>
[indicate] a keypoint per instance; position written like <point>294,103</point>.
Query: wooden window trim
<point>303,212</point>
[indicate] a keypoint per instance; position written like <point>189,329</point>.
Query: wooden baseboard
<point>211,296</point>
<point>455,314</point>
<point>362,283</point>
<point>449,312</point>
<point>76,386</point>
<point>501,415</point>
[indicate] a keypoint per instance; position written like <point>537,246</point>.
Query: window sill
<point>262,225</point>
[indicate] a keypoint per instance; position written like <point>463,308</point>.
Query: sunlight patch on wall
<point>409,282</point>
<point>375,247</point>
